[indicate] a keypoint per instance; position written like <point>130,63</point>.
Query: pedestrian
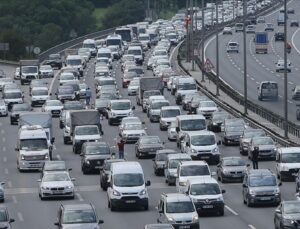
<point>121,145</point>
<point>255,154</point>
<point>88,95</point>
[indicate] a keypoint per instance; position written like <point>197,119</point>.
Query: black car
<point>101,105</point>
<point>287,215</point>
<point>252,20</point>
<point>294,23</point>
<point>105,172</point>
<point>16,110</point>
<point>231,135</point>
<point>69,105</point>
<point>93,155</point>
<point>216,120</point>
<point>290,11</point>
<point>5,220</point>
<point>279,36</point>
<point>159,161</point>
<point>147,146</point>
<point>55,61</point>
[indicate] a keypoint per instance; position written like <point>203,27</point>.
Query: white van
<point>91,45</point>
<point>105,52</point>
<point>287,162</point>
<point>118,109</point>
<point>184,86</point>
<point>127,186</point>
<point>268,90</point>
<point>168,114</point>
<point>75,61</point>
<point>137,52</point>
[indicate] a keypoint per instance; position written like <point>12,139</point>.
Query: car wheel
<point>110,122</point>
<point>221,212</point>
<point>248,203</point>
<point>112,207</point>
<point>84,171</point>
<point>137,154</point>
<point>146,206</point>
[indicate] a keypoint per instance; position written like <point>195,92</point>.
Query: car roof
<point>170,107</point>
<point>188,163</point>
<point>259,172</point>
<point>176,197</point>
<point>201,132</point>
<point>127,167</point>
<point>289,150</point>
<point>202,180</point>
<point>77,206</point>
<point>178,156</point>
<point>188,117</point>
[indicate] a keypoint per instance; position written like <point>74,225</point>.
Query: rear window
<point>269,86</point>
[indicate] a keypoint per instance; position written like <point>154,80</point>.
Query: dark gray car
<point>5,220</point>
<point>159,161</point>
<point>2,192</point>
<point>287,215</point>
<point>18,109</point>
<point>147,146</point>
<point>217,119</point>
<point>231,135</point>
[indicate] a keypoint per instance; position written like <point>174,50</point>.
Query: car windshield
<point>67,77</point>
<point>107,55</point>
<point>138,71</point>
<point>53,103</point>
<point>66,91</point>
<point>263,141</point>
<point>203,140</point>
<point>74,61</point>
<point>12,95</point>
<point>56,177</point>
<point>257,181</point>
<point>133,126</point>
<point>39,92</point>
<point>89,45</point>
<point>207,104</point>
<point>21,107</point>
<point>3,216</point>
<point>205,189</point>
<point>150,140</point>
<point>55,165</point>
<point>79,216</point>
<point>33,144</point>
<point>234,129</point>
<point>233,162</point>
<point>160,53</point>
<point>194,170</point>
<point>120,106</point>
<point>170,113</point>
<point>290,157</point>
<point>128,179</point>
<point>147,94</point>
<point>291,208</point>
<point>134,83</point>
<point>54,56</point>
<point>158,105</point>
<point>90,130</point>
<point>193,125</point>
<point>252,134</point>
<point>29,69</point>
<point>187,86</point>
<point>134,52</point>
<point>100,149</point>
<point>180,207</point>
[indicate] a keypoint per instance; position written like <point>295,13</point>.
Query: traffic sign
<point>208,66</point>
<point>36,50</point>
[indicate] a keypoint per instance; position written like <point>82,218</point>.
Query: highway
<point>260,67</point>
<point>30,212</point>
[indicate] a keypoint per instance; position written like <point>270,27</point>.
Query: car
<point>231,169</point>
<point>266,145</point>
<point>287,214</point>
<point>167,115</point>
<point>3,108</point>
<point>66,77</point>
<point>294,23</point>
<point>261,19</point>
<point>56,184</point>
<point>159,226</point>
<point>4,81</point>
<point>159,162</point>
<point>131,132</point>
<point>250,29</point>
<point>154,107</point>
<point>187,99</point>
<point>296,92</point>
<point>5,220</point>
<point>227,30</point>
<point>93,155</point>
<point>127,77</point>
<point>65,93</point>
<point>2,192</point>
<point>18,109</point>
<point>17,73</point>
<point>39,95</point>
<point>207,108</point>
<point>147,146</point>
<point>82,92</point>
<point>246,138</point>
<point>172,133</point>
<point>280,66</point>
<point>133,87</point>
<point>54,61</point>
<point>232,46</point>
<point>279,36</point>
<point>37,83</point>
<point>231,135</point>
<point>179,210</point>
<point>53,106</point>
<point>50,166</point>
<point>269,27</point>
<point>290,11</point>
<point>69,105</point>
<point>77,215</point>
<point>260,187</point>
<point>105,172</point>
<point>46,71</point>
<point>206,195</point>
<point>217,119</point>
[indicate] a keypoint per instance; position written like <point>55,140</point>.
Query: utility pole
<point>217,49</point>
<point>285,73</point>
<point>192,34</point>
<point>187,32</point>
<point>245,58</point>
<point>202,36</point>
<point>233,16</point>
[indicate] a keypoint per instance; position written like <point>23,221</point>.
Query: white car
<point>232,46</point>
<point>280,66</point>
<point>131,119</point>
<point>17,73</point>
<point>56,184</point>
<point>39,95</point>
<point>3,108</point>
<point>46,71</point>
<point>53,106</point>
<point>133,87</point>
<point>227,30</point>
<point>206,108</point>
<point>172,134</point>
<point>66,77</point>
<point>131,132</point>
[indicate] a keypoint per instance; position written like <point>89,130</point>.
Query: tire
<point>146,206</point>
<point>110,122</point>
<point>248,203</point>
<point>83,170</point>
<point>65,141</point>
<point>112,207</point>
<point>221,212</point>
<point>11,122</point>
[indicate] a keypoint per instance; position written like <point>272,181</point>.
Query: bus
<point>125,33</point>
<point>115,40</point>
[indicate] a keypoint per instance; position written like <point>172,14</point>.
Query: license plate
<point>57,192</point>
<point>130,201</point>
<point>204,157</point>
<point>97,167</point>
<point>265,198</point>
<point>235,175</point>
<point>184,227</point>
<point>208,206</point>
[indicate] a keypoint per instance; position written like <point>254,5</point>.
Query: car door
<point>219,168</point>
<point>161,211</point>
<point>245,187</point>
<point>278,158</point>
<point>278,216</point>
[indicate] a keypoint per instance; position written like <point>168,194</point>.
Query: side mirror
<point>2,183</point>
<point>279,184</point>
<point>39,180</point>
<point>73,179</point>
<point>245,186</point>
<point>257,88</point>
<point>219,142</point>
<point>187,144</point>
<point>52,140</point>
<point>100,221</point>
<point>56,224</point>
<point>50,93</point>
<point>177,129</point>
<point>16,148</point>
<point>11,220</point>
<point>248,165</point>
<point>81,155</point>
<point>223,191</point>
<point>70,169</point>
<point>148,183</point>
<point>133,108</point>
<point>160,211</point>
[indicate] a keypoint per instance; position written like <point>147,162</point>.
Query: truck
<point>147,84</point>
<point>43,119</point>
<point>280,19</point>
<point>29,70</point>
<point>261,42</point>
<point>84,126</point>
<point>32,148</point>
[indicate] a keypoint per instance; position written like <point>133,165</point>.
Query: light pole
<point>187,32</point>
<point>245,57</point>
<point>192,34</point>
<point>285,73</point>
<point>217,50</point>
<point>202,35</point>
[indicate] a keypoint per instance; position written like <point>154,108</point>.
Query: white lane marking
<point>280,96</point>
<point>20,216</point>
<point>291,83</point>
<point>58,157</point>
<point>4,139</point>
<point>252,78</point>
<point>4,159</point>
<point>231,210</point>
<point>6,170</point>
<point>14,198</point>
<point>79,197</point>
<point>3,148</point>
<point>251,226</point>
<point>2,131</point>
<point>293,43</point>
<point>9,184</point>
<point>289,101</point>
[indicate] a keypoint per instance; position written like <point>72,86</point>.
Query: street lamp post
<point>245,57</point>
<point>285,73</point>
<point>217,50</point>
<point>202,46</point>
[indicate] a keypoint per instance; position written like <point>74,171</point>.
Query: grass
<point>99,14</point>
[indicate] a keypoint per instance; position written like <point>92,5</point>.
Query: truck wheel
<point>146,206</point>
<point>110,122</point>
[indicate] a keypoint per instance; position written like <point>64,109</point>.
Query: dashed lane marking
<point>251,226</point>
<point>6,171</point>
<point>20,217</point>
<point>14,199</point>
<point>231,210</point>
<point>79,197</point>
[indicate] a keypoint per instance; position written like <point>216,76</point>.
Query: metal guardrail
<point>257,109</point>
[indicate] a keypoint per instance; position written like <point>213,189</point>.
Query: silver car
<point>3,108</point>
<point>266,145</point>
<point>2,192</point>
<point>246,137</point>
<point>131,132</point>
<point>56,184</point>
<point>231,169</point>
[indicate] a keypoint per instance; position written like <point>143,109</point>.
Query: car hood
<point>233,133</point>
<point>19,112</point>
<point>185,178</point>
<point>234,168</point>
<point>155,111</point>
<point>81,225</point>
<point>34,152</point>
<point>54,108</point>
<point>181,216</point>
<point>121,112</point>
<point>40,97</point>
<point>134,189</point>
<point>98,156</point>
<point>207,197</point>
<point>266,147</point>
<point>171,119</point>
<point>57,184</point>
<point>295,216</point>
<point>4,225</point>
<point>264,189</point>
<point>207,108</point>
<point>185,92</point>
<point>151,146</point>
<point>88,137</point>
<point>133,131</point>
<point>204,148</point>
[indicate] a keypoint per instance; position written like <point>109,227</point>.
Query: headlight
<point>225,171</point>
<point>182,183</point>
<point>195,218</point>
<point>194,151</point>
<point>252,192</point>
<point>88,162</point>
<point>22,157</point>
<point>130,113</point>
<point>69,187</point>
<point>113,114</point>
<point>45,188</point>
<point>288,222</point>
<point>220,199</point>
<point>215,150</point>
<point>143,192</point>
<point>116,193</point>
<point>171,220</point>
<point>47,156</point>
<point>277,191</point>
